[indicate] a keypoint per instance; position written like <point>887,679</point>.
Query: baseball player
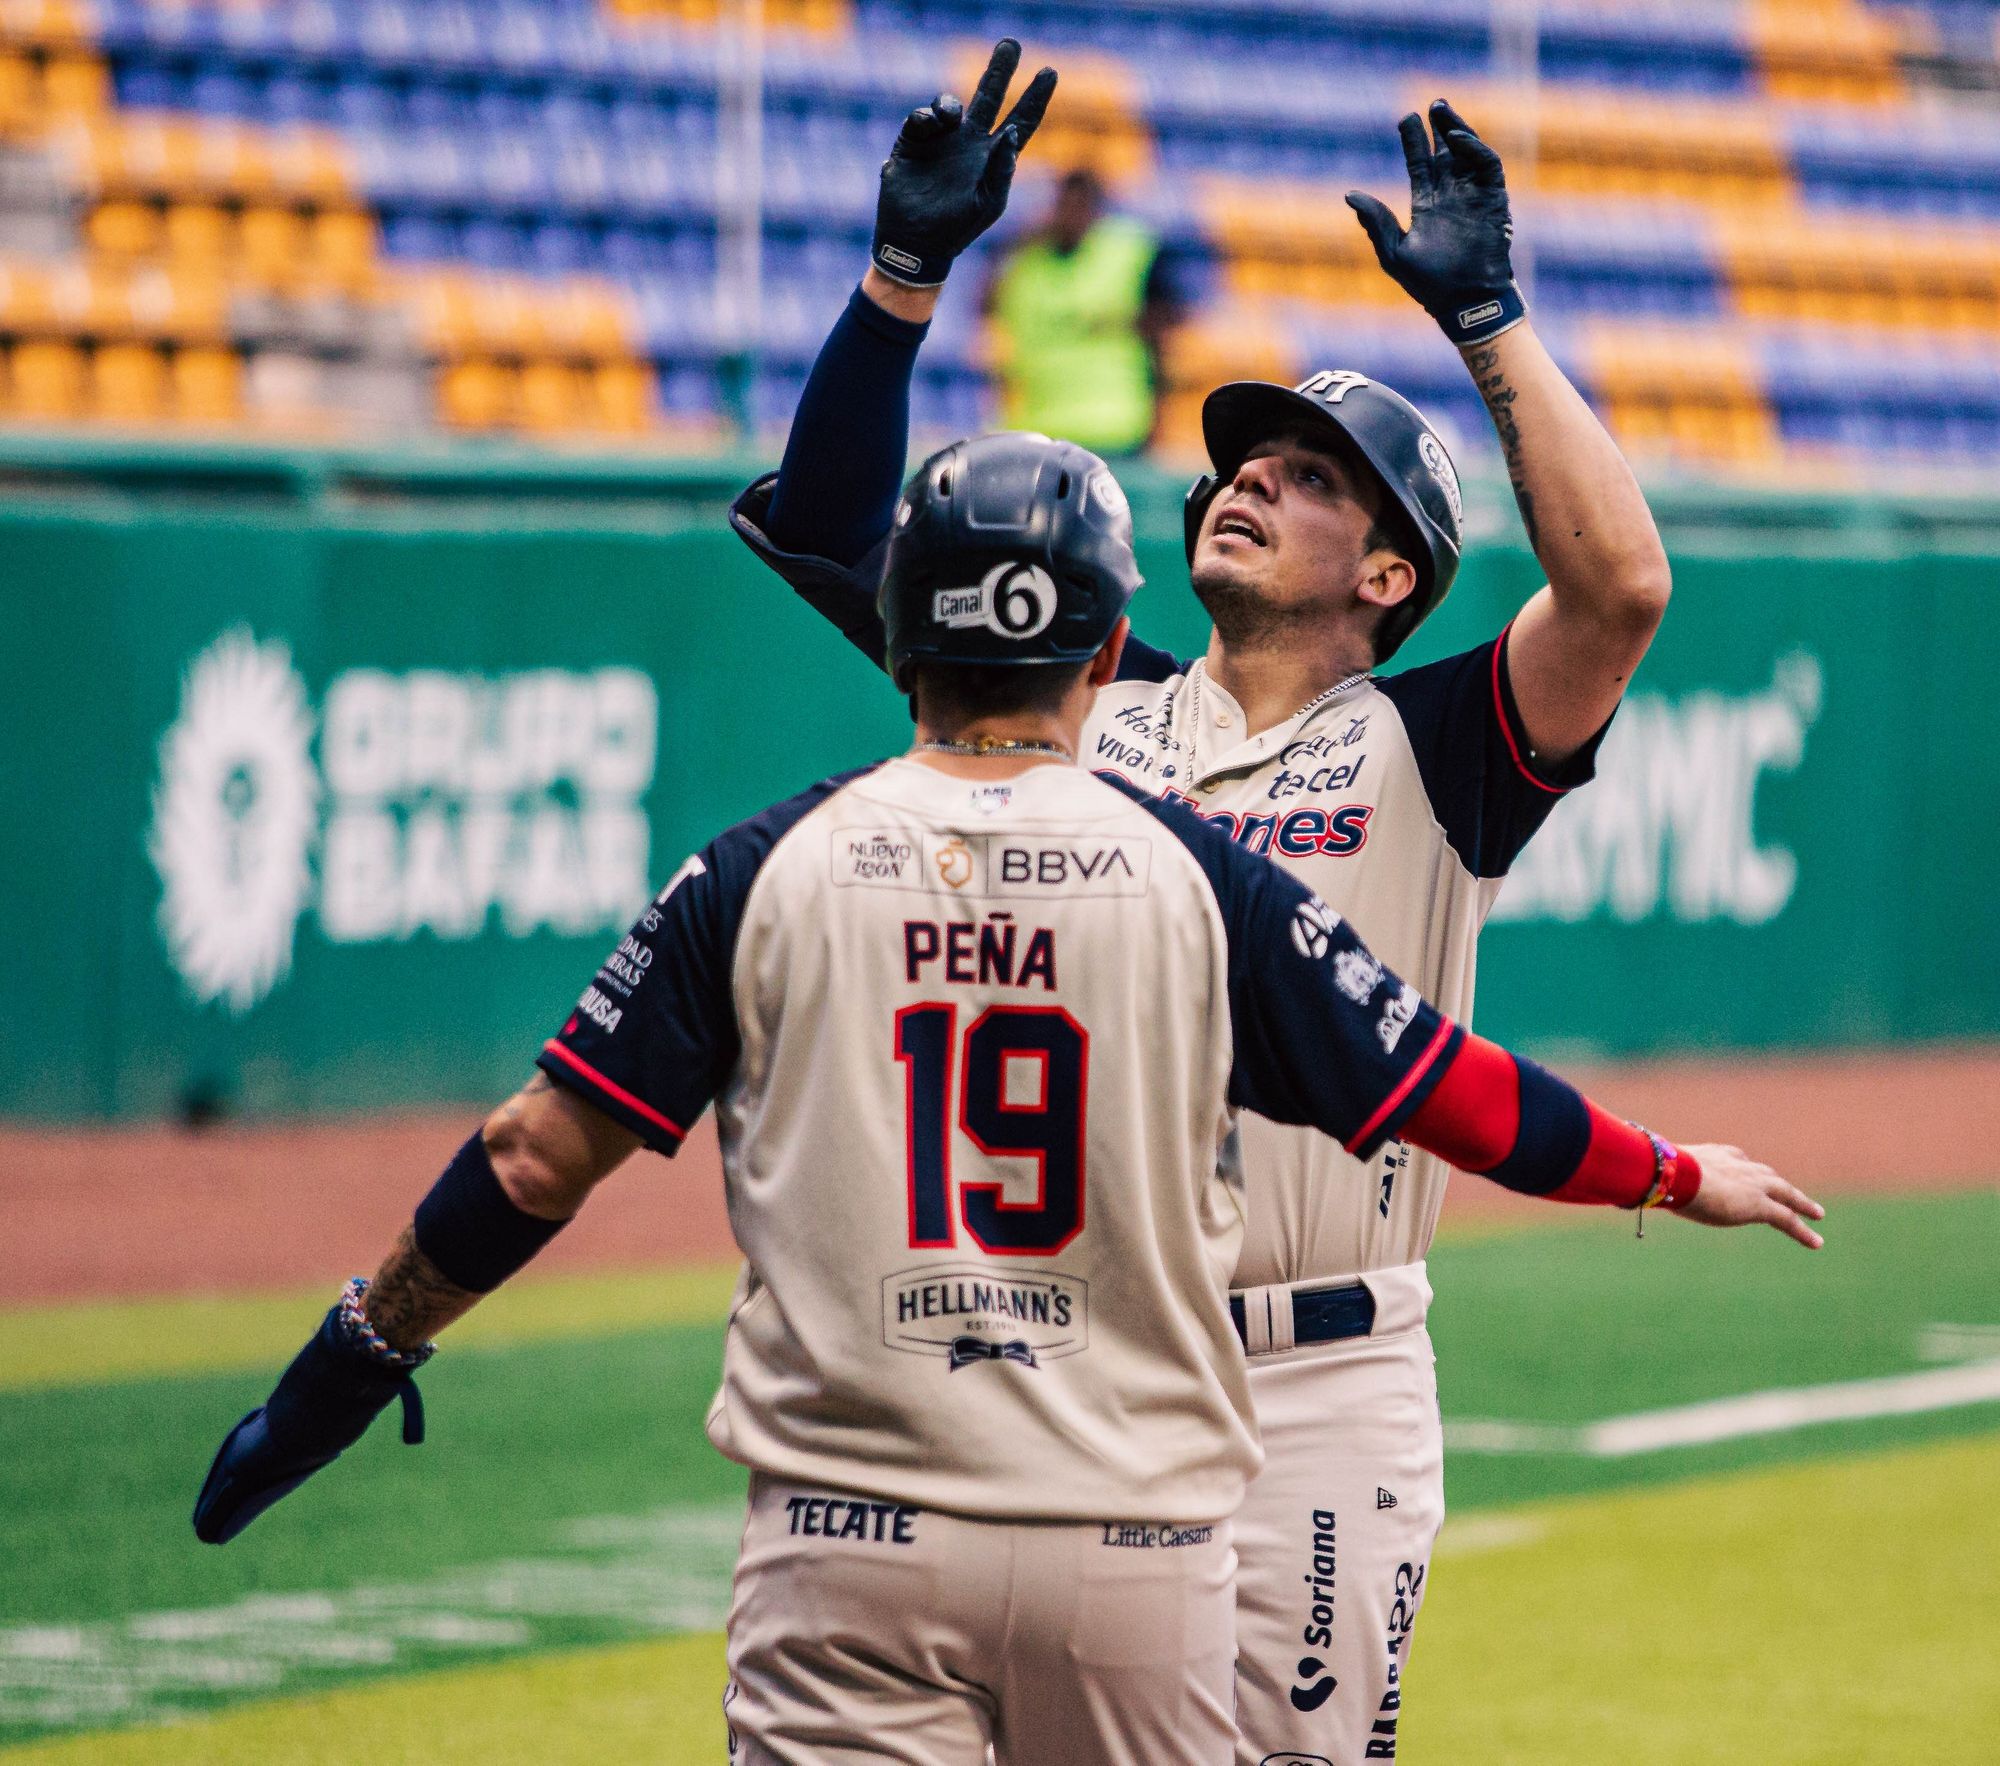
<point>981,1362</point>
<point>1328,530</point>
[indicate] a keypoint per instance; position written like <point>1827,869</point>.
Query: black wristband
<point>1480,318</point>
<point>469,1227</point>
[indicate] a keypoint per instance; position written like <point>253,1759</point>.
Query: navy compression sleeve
<point>850,440</point>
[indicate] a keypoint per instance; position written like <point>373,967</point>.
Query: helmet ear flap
<point>1194,511</point>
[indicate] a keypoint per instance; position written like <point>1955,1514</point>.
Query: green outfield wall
<point>315,803</point>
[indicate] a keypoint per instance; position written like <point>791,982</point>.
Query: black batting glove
<point>1453,261</point>
<point>323,1404</point>
<point>947,178</point>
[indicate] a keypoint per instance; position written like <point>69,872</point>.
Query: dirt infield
<point>98,1214</point>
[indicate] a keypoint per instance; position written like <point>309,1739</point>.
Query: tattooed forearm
<point>409,1302</point>
<point>1488,376</point>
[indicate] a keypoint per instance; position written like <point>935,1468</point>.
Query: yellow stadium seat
<point>20,95</point>
<point>129,383</point>
<point>622,397</point>
<point>200,233</point>
<point>343,248</point>
<point>76,85</point>
<point>476,395</point>
<point>273,247</point>
<point>552,398</point>
<point>207,386</point>
<point>47,380</point>
<point>124,229</point>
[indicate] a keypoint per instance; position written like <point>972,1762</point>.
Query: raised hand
<point>947,178</point>
<point>1737,1191</point>
<point>1453,259</point>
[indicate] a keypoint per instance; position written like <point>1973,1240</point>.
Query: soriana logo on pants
<point>447,803</point>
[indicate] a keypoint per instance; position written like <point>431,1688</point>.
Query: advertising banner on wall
<point>303,819</point>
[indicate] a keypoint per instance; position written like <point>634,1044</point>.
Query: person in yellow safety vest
<point>1080,309</point>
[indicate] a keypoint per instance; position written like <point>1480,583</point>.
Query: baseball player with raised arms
<point>981,1362</point>
<point>1327,532</point>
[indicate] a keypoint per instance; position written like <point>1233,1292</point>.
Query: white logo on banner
<point>234,815</point>
<point>443,803</point>
<point>1670,825</point>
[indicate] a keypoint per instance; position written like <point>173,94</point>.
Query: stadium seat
<point>200,234</point>
<point>45,380</point>
<point>273,244</point>
<point>551,398</point>
<point>128,383</point>
<point>343,248</point>
<point>124,229</point>
<point>207,386</point>
<point>622,397</point>
<point>476,395</point>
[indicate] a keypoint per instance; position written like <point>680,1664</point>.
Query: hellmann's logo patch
<point>972,1313</point>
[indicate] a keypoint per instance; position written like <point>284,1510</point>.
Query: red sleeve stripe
<point>612,1089</point>
<point>1389,1105</point>
<point>1507,725</point>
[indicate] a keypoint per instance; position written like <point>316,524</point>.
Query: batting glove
<point>336,1386</point>
<point>1453,261</point>
<point>947,178</point>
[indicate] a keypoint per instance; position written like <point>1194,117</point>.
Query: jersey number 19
<point>1049,1129</point>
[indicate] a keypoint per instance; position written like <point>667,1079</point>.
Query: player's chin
<point>1230,568</point>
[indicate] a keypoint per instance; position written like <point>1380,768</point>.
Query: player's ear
<point>1386,578</point>
<point>1104,665</point>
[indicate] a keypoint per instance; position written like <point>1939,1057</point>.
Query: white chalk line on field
<point>622,1575</point>
<point>1748,1414</point>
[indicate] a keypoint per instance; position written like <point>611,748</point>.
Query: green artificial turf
<point>568,1498</point>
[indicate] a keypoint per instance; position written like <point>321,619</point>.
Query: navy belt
<point>1322,1315</point>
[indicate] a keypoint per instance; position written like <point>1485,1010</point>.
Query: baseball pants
<point>864,1631</point>
<point>1334,1539</point>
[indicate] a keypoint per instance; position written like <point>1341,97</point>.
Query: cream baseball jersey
<point>984,1184</point>
<point>1399,800</point>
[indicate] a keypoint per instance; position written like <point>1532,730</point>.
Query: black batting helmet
<point>1392,437</point>
<point>1007,549</point>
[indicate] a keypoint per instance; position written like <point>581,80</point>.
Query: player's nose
<point>1257,476</point>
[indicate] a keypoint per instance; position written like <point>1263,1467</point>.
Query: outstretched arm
<point>547,1149</point>
<point>509,1190</point>
<point>1329,1038</point>
<point>1503,1117</point>
<point>1573,648</point>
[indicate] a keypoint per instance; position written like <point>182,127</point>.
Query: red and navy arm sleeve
<point>654,1037</point>
<point>1325,1035</point>
<point>1499,1115</point>
<point>1328,1038</point>
<point>1489,793</point>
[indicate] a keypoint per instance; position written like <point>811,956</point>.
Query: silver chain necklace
<point>988,746</point>
<point>1194,715</point>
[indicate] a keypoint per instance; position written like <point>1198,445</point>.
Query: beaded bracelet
<point>359,1334</point>
<point>1665,1155</point>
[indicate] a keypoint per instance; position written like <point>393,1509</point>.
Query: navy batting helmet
<point>1007,549</point>
<point>1389,433</point>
